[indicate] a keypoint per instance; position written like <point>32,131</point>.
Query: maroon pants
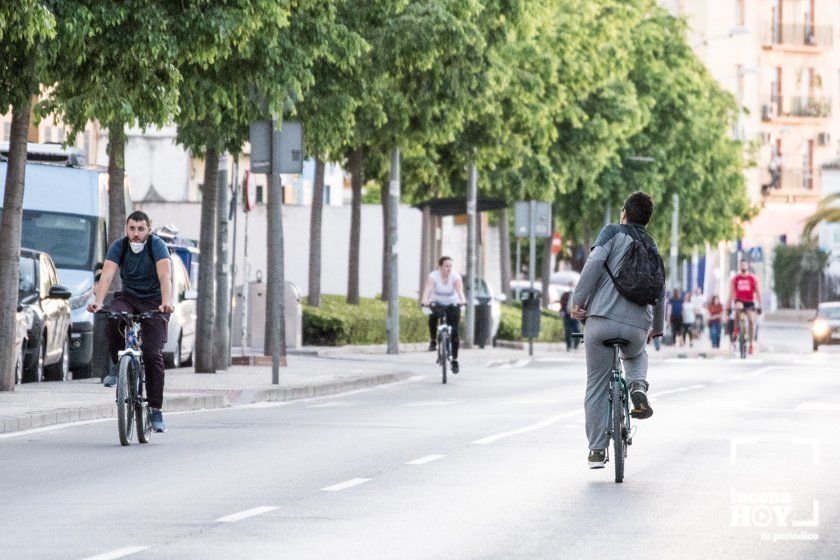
<point>153,333</point>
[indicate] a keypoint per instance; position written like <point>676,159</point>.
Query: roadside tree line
<point>548,99</point>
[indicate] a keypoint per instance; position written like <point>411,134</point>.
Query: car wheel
<point>38,370</point>
<point>60,371</point>
<point>174,360</point>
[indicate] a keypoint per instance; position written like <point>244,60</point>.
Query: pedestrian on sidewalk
<point>675,314</point>
<point>715,309</point>
<point>688,316</point>
<point>570,324</point>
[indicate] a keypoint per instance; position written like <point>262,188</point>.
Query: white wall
<point>335,244</point>
<point>829,238</point>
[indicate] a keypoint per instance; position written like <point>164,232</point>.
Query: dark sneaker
<point>455,368</point>
<point>597,458</point>
<point>156,417</point>
<point>641,407</point>
<point>432,346</point>
<point>110,379</point>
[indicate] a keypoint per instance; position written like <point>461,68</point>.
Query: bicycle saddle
<point>610,342</point>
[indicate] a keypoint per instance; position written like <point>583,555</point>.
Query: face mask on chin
<point>137,247</point>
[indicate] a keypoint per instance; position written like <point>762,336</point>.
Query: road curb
<point>29,421</point>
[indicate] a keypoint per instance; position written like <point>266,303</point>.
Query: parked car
<point>485,291</point>
<point>65,214</point>
<point>44,303</point>
<point>180,343</point>
<point>826,328</point>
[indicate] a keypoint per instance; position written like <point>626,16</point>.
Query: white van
<point>65,214</point>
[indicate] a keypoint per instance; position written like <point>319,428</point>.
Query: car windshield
<point>28,281</point>
<point>67,238</point>
<point>829,312</point>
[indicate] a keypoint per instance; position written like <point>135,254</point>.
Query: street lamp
<point>733,32</point>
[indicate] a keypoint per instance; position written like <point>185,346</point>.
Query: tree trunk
<point>504,252</point>
<point>205,326</point>
<point>116,181</point>
<point>386,244</point>
<point>314,297</point>
<point>356,164</point>
<point>10,241</point>
<point>222,327</point>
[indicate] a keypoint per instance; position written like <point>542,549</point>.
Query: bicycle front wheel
<point>443,348</point>
<point>125,400</point>
<point>742,343</point>
<point>619,445</point>
<point>141,413</point>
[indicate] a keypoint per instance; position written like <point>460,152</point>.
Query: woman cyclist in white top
<point>444,287</point>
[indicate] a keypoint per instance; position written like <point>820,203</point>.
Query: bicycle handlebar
<point>127,315</point>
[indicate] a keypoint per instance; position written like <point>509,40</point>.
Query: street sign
<point>556,244</point>
<point>259,135</point>
<point>288,148</point>
<point>522,219</point>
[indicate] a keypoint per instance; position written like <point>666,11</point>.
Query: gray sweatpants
<point>599,362</point>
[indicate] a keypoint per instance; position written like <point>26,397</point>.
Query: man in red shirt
<point>744,290</point>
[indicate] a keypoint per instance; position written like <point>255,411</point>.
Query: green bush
<point>551,325</point>
<point>337,323</point>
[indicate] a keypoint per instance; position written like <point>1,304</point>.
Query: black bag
<point>642,276</point>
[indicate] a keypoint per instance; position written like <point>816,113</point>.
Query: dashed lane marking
<point>119,553</point>
<point>234,517</point>
<point>426,459</point>
<point>345,485</point>
<point>537,426</point>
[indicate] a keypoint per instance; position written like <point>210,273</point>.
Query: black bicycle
<point>132,404</point>
<point>618,412</point>
<point>444,337</point>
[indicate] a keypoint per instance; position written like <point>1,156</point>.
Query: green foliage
<point>336,323</point>
<point>551,325</point>
<point>795,268</point>
<point>27,28</point>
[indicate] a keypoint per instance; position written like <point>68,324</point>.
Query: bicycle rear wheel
<point>141,413</point>
<point>125,400</point>
<point>742,342</point>
<point>443,349</point>
<point>619,445</point>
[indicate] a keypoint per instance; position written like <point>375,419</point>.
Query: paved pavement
<point>739,460</point>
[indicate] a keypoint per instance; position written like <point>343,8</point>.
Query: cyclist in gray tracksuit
<point>608,315</point>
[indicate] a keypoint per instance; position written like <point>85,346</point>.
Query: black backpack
<point>642,276</point>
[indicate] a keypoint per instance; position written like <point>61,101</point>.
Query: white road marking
<point>538,426</point>
<point>433,403</point>
<point>750,361</point>
<point>234,517</point>
<point>819,406</point>
<point>334,404</point>
<point>426,459</point>
<point>520,363</point>
<point>719,381</point>
<point>345,485</point>
<point>119,553</point>
<point>653,396</point>
<point>54,427</point>
<point>723,404</point>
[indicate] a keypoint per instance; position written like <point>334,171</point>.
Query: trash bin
<point>483,321</point>
<point>530,313</point>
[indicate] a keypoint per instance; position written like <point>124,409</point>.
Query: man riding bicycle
<point>444,288</point>
<point>142,260</point>
<point>611,315</point>
<point>745,292</point>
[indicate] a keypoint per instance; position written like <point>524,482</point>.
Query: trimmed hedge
<point>551,325</point>
<point>337,323</point>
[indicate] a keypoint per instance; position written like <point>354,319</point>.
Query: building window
<point>260,198</point>
<point>740,15</point>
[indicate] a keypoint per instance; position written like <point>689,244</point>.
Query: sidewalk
<point>35,405</point>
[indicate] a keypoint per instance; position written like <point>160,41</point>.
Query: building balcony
<point>795,108</point>
<point>797,36</point>
<point>792,185</point>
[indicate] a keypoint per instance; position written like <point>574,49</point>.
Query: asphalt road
<point>739,460</point>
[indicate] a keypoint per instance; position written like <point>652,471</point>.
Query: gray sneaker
<point>641,406</point>
<point>110,379</point>
<point>156,417</point>
<point>597,458</point>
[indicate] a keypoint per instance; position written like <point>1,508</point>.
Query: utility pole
<point>472,203</point>
<point>393,324</point>
<point>675,220</point>
<point>275,277</point>
<point>532,257</point>
<point>222,348</point>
